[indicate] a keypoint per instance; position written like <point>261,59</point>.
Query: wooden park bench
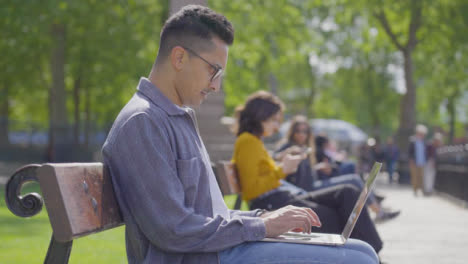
<point>228,181</point>
<point>79,198</point>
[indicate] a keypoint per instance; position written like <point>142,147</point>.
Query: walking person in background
<point>392,154</point>
<point>430,168</point>
<point>378,153</point>
<point>325,154</point>
<point>364,158</point>
<point>418,158</point>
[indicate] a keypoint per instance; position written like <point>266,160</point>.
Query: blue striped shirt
<point>420,152</point>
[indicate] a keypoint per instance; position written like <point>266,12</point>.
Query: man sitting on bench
<point>167,192</point>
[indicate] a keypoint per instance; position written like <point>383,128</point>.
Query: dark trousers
<point>333,205</point>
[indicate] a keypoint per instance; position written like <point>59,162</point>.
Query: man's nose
<point>215,85</point>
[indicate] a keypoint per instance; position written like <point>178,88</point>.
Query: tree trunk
<point>58,113</point>
<point>451,108</point>
<point>309,103</point>
<point>372,99</point>
<point>407,104</point>
<point>4,114</point>
<point>273,82</point>
<point>272,79</point>
<point>87,117</point>
<point>76,100</point>
<point>50,147</point>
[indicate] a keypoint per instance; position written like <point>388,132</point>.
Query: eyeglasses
<point>218,71</point>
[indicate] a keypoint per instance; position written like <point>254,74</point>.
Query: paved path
<point>430,230</point>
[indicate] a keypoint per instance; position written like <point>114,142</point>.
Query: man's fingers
<point>310,216</point>
<point>304,222</point>
<point>299,225</point>
<point>297,229</point>
<point>315,217</point>
<point>291,218</point>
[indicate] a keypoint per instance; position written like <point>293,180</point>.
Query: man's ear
<point>178,58</point>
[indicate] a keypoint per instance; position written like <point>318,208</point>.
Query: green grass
<point>231,200</point>
<point>25,240</point>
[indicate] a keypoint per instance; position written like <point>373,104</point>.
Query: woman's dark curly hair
<point>259,107</point>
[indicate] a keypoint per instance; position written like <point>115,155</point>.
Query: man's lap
<point>354,251</point>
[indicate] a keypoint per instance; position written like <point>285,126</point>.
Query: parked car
<point>347,135</point>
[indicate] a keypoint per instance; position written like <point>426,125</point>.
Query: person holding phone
<point>300,136</point>
<point>262,179</point>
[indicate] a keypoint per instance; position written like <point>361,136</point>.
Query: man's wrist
<point>260,212</point>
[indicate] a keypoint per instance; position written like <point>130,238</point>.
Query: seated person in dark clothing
<point>300,138</point>
<point>322,154</point>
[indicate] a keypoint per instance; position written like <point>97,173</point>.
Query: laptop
<point>334,239</point>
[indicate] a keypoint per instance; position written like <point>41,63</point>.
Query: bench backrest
<point>79,198</point>
<point>227,178</point>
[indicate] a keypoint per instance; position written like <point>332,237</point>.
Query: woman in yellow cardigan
<point>262,179</point>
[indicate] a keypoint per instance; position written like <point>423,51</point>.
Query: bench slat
<point>227,178</point>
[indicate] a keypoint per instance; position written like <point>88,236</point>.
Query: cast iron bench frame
<point>79,198</point>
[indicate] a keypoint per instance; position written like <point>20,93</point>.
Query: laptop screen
<point>361,202</point>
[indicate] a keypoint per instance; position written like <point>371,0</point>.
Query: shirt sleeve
<point>235,213</point>
<point>145,171</point>
<point>258,172</point>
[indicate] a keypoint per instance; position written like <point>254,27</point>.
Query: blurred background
<point>68,67</point>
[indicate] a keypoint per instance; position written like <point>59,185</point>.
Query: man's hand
<point>290,218</point>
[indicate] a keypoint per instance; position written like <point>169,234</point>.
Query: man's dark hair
<point>258,108</point>
<point>194,26</point>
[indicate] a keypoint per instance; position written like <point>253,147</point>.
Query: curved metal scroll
<point>29,204</point>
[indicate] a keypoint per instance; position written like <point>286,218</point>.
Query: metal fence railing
<point>29,142</point>
<point>452,171</point>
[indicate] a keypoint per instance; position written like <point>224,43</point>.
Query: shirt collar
<point>147,88</point>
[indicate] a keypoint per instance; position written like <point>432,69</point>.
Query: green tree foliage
<point>443,67</point>
<point>108,46</point>
<point>424,32</point>
<point>271,48</point>
<point>324,58</point>
<point>21,79</point>
<point>280,37</point>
